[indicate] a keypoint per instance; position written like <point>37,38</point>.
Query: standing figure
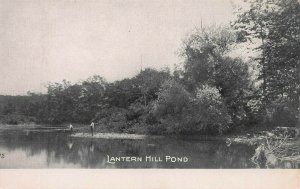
<point>92,128</point>
<point>71,127</point>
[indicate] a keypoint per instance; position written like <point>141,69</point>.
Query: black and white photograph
<point>149,84</point>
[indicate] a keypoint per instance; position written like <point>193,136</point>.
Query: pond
<point>34,148</point>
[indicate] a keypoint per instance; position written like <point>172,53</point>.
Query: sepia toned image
<point>143,84</point>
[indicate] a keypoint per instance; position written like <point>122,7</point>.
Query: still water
<point>33,148</point>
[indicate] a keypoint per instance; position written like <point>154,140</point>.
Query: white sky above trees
<point>51,40</point>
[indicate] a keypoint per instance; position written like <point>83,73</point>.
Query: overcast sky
<point>52,40</point>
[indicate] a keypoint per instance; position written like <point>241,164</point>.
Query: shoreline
<point>114,136</point>
<point>83,130</point>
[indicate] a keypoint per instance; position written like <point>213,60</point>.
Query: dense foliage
<point>211,92</point>
<point>275,24</point>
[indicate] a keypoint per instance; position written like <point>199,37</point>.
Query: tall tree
<point>207,63</point>
<point>276,23</point>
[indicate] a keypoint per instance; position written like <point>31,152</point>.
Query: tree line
<point>210,92</point>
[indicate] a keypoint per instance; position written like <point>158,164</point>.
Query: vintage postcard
<point>143,84</point>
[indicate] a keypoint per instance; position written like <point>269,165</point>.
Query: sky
<point>50,40</point>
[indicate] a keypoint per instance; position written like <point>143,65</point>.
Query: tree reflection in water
<point>64,151</point>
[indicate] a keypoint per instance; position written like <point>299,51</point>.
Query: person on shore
<point>92,127</point>
<point>71,127</point>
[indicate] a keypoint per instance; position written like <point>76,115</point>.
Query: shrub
<point>210,110</point>
<point>182,113</point>
<point>172,99</point>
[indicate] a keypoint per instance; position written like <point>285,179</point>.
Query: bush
<point>281,114</point>
<point>182,113</point>
<point>172,99</point>
<point>210,110</point>
<point>14,119</point>
<point>112,119</point>
<point>135,111</point>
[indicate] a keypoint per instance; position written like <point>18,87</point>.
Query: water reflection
<point>27,149</point>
